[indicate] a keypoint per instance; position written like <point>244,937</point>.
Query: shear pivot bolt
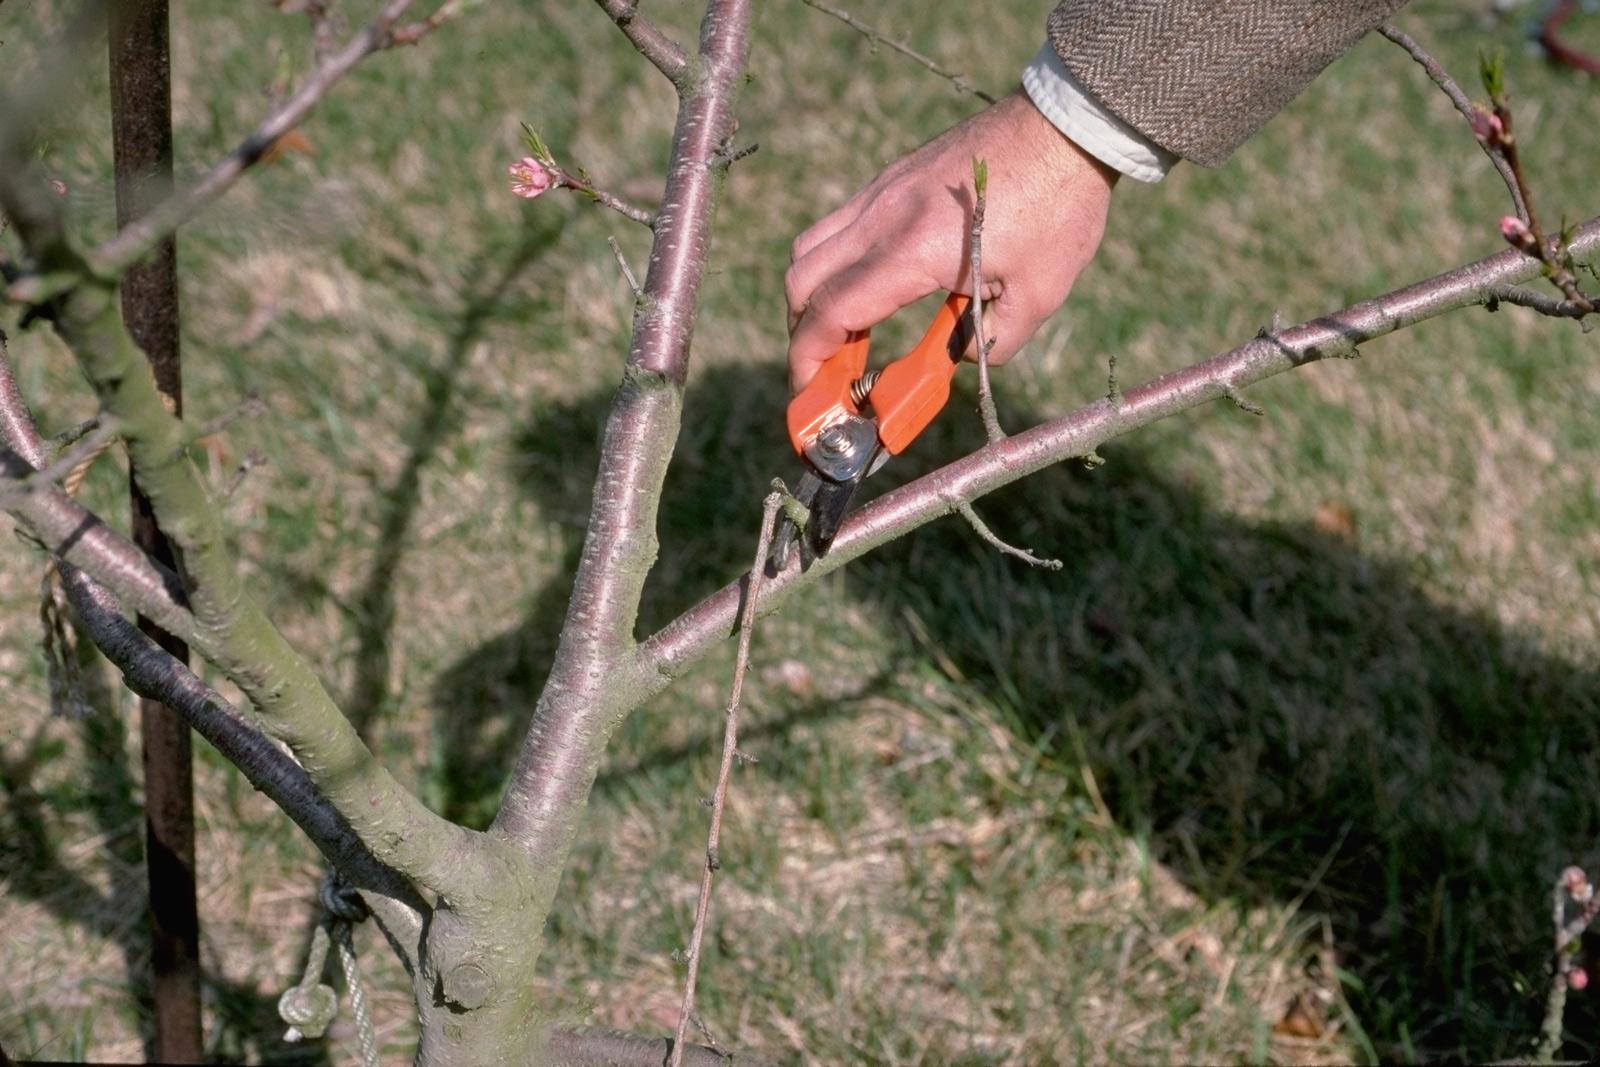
<point>836,442</point>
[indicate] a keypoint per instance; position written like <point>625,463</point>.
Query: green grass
<point>1237,756</point>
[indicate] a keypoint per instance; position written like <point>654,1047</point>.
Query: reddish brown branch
<point>661,50</point>
<point>1558,49</point>
<point>986,408</point>
<point>689,637</point>
<point>1463,104</point>
<point>582,698</point>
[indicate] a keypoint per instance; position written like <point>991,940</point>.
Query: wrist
<point>1089,125</point>
<point>1057,152</point>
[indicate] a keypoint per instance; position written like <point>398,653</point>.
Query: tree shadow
<point>373,607</point>
<point>246,1026</point>
<point>246,1018</point>
<point>1278,712</point>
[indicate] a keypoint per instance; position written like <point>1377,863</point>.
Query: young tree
<point>465,909</point>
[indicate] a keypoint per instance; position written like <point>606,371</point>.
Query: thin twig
<point>1463,104</point>
<point>688,638</point>
<point>251,461</point>
<point>730,751</point>
<point>137,238</point>
<point>1573,884</point>
<point>252,406</point>
<point>412,32</point>
<point>86,448</point>
<point>627,271</point>
<point>1530,238</point>
<point>986,408</point>
<point>1493,129</point>
<point>1544,305</point>
<point>878,37</point>
<point>981,528</point>
<point>581,185</point>
<point>533,176</point>
<point>661,50</point>
<point>1241,403</point>
<point>324,24</point>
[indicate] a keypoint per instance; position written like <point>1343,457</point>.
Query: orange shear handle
<point>906,397</point>
<point>826,398</point>
<point>916,387</point>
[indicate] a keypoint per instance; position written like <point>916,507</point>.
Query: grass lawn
<point>1279,767</point>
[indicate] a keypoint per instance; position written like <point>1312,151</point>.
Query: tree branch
<point>981,528</point>
<point>135,240</point>
<point>730,751</point>
<point>689,637</point>
<point>1441,77</point>
<point>1544,305</point>
<point>150,671</point>
<point>644,35</point>
<point>588,1047</point>
<point>622,265</point>
<point>72,533</point>
<point>986,408</point>
<point>87,447</point>
<point>877,37</point>
<point>533,176</point>
<point>580,704</point>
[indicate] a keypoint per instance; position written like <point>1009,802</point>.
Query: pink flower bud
<point>1577,978</point>
<point>1517,235</point>
<point>59,186</point>
<point>1487,127</point>
<point>529,178</point>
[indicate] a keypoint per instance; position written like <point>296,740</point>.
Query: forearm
<point>1195,78</point>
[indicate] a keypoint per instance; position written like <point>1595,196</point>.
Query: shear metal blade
<point>783,538</point>
<point>827,512</point>
<point>833,503</point>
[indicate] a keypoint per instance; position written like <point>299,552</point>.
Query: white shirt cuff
<point>1062,99</point>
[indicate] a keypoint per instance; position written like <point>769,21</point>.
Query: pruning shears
<point>848,421</point>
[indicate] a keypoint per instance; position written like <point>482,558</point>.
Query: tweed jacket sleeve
<point>1198,77</point>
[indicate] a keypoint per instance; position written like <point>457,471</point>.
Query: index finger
<point>855,298</point>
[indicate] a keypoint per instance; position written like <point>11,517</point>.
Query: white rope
<point>309,1007</point>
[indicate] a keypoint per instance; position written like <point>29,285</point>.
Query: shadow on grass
<point>246,1026</point>
<point>1280,713</point>
<point>373,607</point>
<point>247,1020</point>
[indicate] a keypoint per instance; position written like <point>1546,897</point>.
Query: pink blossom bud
<point>1487,127</point>
<point>529,178</point>
<point>59,186</point>
<point>1517,235</point>
<point>1578,978</point>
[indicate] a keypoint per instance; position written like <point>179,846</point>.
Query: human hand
<point>905,235</point>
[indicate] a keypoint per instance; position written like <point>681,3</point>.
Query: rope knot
<point>340,900</point>
<point>308,1009</point>
<point>309,1006</point>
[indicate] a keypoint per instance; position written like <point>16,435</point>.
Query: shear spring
<point>861,388</point>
